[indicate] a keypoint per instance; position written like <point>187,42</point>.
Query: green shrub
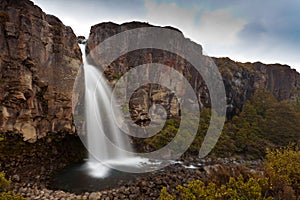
<point>4,187</point>
<point>10,196</point>
<point>236,188</point>
<point>282,166</point>
<point>4,183</point>
<point>164,195</point>
<point>280,180</point>
<point>197,190</point>
<point>263,122</point>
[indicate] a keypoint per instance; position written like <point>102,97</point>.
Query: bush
<point>253,188</point>
<point>164,195</point>
<point>263,122</point>
<point>280,180</point>
<point>10,196</point>
<point>4,183</point>
<point>236,188</point>
<point>4,187</point>
<point>282,166</point>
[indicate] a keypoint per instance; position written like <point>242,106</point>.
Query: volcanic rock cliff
<point>39,61</point>
<point>240,79</point>
<point>40,58</point>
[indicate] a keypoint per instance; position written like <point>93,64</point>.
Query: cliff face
<point>280,79</point>
<point>39,60</point>
<point>240,79</point>
<point>147,95</point>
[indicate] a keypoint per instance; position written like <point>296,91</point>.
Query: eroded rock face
<point>148,95</point>
<point>240,79</point>
<point>283,81</point>
<point>39,60</point>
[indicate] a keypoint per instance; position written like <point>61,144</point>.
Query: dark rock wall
<point>39,60</point>
<point>240,79</point>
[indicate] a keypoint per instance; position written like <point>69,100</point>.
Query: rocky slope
<point>240,79</point>
<point>39,61</point>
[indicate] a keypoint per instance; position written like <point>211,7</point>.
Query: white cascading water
<point>106,143</point>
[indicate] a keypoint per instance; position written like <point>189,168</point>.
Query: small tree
<point>282,166</point>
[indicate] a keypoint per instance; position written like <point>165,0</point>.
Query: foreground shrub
<point>282,166</point>
<point>164,195</point>
<point>280,180</point>
<point>10,196</point>
<point>4,187</point>
<point>236,188</point>
<point>4,183</point>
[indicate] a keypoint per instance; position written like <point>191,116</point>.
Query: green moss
<point>116,76</point>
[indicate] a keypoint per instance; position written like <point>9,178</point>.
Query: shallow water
<point>76,179</point>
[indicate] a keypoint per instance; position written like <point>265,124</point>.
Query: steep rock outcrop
<point>240,79</point>
<point>147,95</point>
<point>39,60</point>
<point>283,81</point>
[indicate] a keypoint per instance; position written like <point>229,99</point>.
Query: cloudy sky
<point>266,31</point>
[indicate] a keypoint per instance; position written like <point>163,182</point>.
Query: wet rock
<point>81,40</point>
<point>16,178</point>
<point>94,196</point>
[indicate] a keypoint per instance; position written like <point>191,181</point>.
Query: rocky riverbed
<point>32,168</point>
<point>148,185</point>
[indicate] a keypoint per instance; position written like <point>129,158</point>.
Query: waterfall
<point>106,142</point>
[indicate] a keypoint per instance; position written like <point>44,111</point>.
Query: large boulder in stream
<point>39,61</point>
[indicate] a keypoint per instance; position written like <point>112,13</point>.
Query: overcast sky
<point>256,30</point>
